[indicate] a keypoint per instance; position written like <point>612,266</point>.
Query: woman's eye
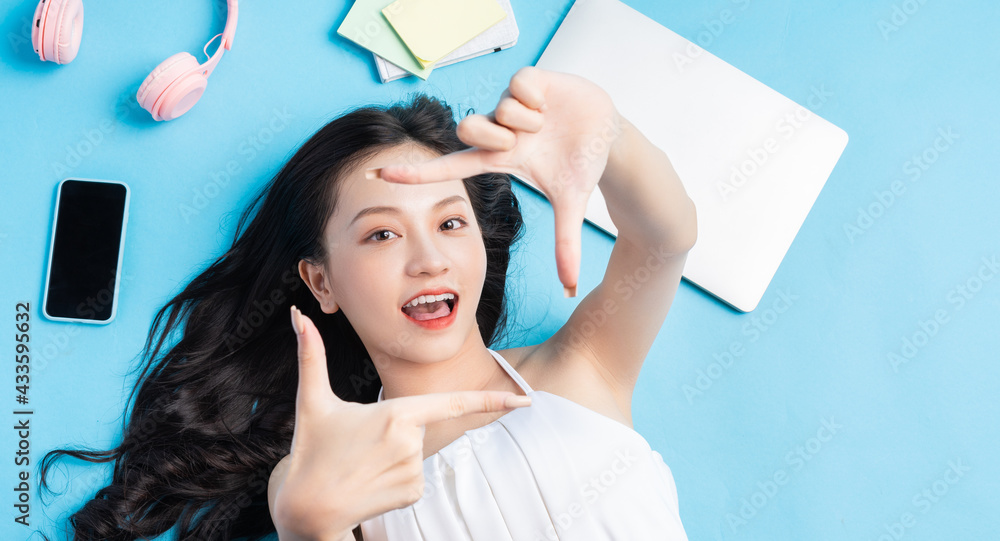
<point>377,235</point>
<point>459,220</point>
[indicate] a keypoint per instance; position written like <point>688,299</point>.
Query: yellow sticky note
<point>433,28</point>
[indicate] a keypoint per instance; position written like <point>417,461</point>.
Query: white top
<point>551,470</point>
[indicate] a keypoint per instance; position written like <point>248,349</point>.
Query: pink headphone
<point>168,92</point>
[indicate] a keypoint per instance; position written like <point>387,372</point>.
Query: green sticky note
<point>366,26</point>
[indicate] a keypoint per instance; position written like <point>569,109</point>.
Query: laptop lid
<point>752,160</point>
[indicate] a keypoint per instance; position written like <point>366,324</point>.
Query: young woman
<point>398,421</point>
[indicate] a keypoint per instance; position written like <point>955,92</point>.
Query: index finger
<point>430,408</point>
<point>454,166</point>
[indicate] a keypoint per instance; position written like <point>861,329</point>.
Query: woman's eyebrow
<point>393,210</point>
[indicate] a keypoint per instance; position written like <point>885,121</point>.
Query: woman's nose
<point>426,257</point>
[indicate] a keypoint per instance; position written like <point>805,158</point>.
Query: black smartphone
<point>85,255</point>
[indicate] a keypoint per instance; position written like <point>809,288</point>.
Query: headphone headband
<point>227,38</point>
<point>230,30</point>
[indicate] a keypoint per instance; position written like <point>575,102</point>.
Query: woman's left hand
<point>554,129</point>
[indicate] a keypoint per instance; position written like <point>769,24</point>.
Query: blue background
<point>727,427</point>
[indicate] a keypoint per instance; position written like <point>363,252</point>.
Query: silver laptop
<point>752,160</point>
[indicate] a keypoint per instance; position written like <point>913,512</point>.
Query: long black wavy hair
<point>214,404</point>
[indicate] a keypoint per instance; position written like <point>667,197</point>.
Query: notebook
<point>432,29</point>
<point>752,160</point>
<point>496,38</point>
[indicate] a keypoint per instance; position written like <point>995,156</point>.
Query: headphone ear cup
<point>173,87</point>
<point>70,31</point>
<point>36,29</point>
<point>57,29</point>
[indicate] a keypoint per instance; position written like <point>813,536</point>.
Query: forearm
<point>347,535</point>
<point>644,195</point>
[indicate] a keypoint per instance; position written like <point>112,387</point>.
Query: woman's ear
<point>315,277</point>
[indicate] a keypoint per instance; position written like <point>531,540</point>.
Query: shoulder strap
<point>510,370</point>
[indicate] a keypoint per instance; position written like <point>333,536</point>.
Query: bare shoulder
<point>571,375</point>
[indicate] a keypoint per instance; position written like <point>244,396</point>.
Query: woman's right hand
<point>349,461</point>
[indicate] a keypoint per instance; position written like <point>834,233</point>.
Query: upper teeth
<point>429,298</point>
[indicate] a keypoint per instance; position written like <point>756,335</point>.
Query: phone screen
<point>85,255</point>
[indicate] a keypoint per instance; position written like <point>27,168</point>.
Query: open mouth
<point>431,307</point>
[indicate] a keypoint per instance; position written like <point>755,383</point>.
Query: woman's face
<point>425,238</point>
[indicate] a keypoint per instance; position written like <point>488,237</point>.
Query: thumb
<point>314,380</point>
<point>569,212</point>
